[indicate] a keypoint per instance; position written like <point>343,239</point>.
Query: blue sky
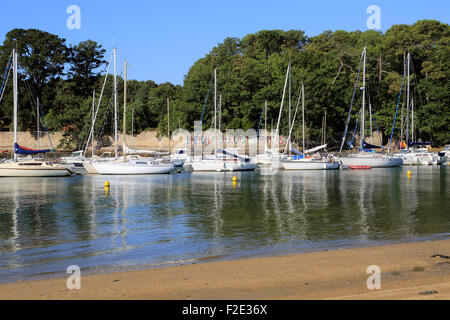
<point>162,39</point>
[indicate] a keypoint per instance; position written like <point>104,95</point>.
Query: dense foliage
<point>250,71</point>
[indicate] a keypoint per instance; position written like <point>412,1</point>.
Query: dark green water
<point>48,224</point>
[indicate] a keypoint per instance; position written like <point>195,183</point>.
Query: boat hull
<point>33,171</point>
<point>422,159</point>
<point>116,168</point>
<point>219,165</point>
<point>438,160</point>
<point>178,163</point>
<point>263,159</point>
<point>374,162</point>
<point>309,165</point>
<point>90,168</point>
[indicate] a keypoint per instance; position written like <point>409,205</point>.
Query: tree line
<point>250,71</point>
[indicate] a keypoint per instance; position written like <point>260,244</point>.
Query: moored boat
<point>33,168</point>
<point>309,164</point>
<point>28,167</point>
<point>139,166</point>
<point>372,160</point>
<point>179,157</point>
<point>135,165</point>
<point>365,157</point>
<point>360,167</point>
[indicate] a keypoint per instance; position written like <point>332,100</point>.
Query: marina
<point>223,151</point>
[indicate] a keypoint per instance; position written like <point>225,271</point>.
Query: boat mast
<point>412,119</point>
<point>93,121</point>
<point>220,113</point>
<point>168,120</point>
<point>115,106</point>
<point>37,122</point>
<point>303,116</point>
<point>265,115</point>
<point>220,121</point>
<point>132,124</point>
<point>265,125</point>
<point>290,80</point>
<point>15,101</point>
<point>124,139</point>
<point>370,115</point>
<point>351,104</point>
<point>91,133</point>
<point>215,113</point>
<point>407,106</point>
<point>293,122</point>
<point>277,135</point>
<point>401,125</point>
<point>363,99</point>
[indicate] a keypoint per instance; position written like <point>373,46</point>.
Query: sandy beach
<point>418,270</point>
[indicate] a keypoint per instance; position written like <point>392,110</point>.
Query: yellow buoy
<point>106,184</point>
<point>234,178</point>
<point>408,173</point>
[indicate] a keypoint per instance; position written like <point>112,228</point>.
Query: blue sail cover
<point>23,150</point>
<point>370,146</point>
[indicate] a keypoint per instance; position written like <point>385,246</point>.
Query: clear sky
<point>162,39</point>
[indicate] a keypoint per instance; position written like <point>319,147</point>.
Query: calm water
<point>47,224</point>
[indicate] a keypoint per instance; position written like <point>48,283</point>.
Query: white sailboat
<point>363,158</point>
<point>106,156</point>
<point>310,164</point>
<point>179,157</point>
<point>275,143</point>
<point>265,158</point>
<point>221,160</point>
<point>76,161</point>
<point>135,165</point>
<point>421,156</point>
<point>416,153</point>
<point>28,167</point>
<point>318,161</point>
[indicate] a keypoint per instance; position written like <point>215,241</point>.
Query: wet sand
<point>419,270</point>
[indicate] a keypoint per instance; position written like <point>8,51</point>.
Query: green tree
<point>85,60</point>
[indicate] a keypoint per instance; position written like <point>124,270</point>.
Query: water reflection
<point>48,224</point>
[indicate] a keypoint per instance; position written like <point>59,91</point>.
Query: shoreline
<point>226,257</point>
<point>413,270</point>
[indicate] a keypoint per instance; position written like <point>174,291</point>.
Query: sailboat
<point>77,159</point>
<point>222,159</point>
<point>264,158</point>
<point>28,167</point>
<point>275,143</point>
<point>179,157</point>
<point>416,153</point>
<point>134,165</point>
<point>106,156</point>
<point>363,158</point>
<point>318,160</point>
